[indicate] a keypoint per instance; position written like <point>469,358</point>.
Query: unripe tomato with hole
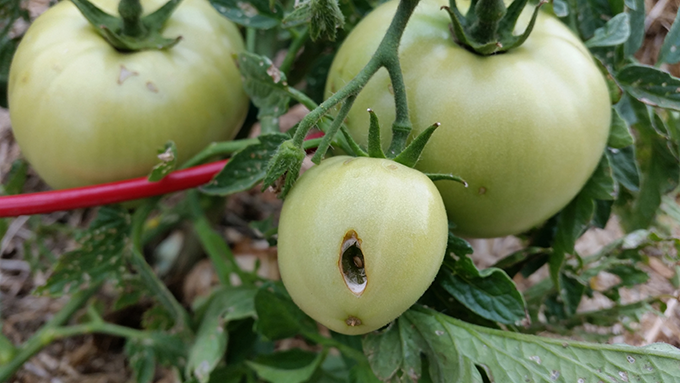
<point>84,113</point>
<point>525,128</point>
<point>359,241</point>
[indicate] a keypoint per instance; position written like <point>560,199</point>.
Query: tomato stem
<point>130,12</point>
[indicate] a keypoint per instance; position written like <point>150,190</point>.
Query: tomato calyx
<point>131,32</point>
<point>487,27</point>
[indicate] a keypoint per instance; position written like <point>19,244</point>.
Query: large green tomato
<point>524,128</point>
<point>359,241</point>
<point>84,113</point>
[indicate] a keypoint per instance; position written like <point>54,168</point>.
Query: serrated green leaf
<point>362,373</point>
<point>168,158</point>
<point>624,167</point>
<point>489,293</point>
<point>395,354</point>
<point>292,366</point>
<point>514,357</point>
<point>560,8</point>
<point>615,32</point>
<point>246,168</point>
<point>619,133</point>
<point>158,347</point>
<point>601,184</point>
<point>210,344</point>
<point>458,246</point>
<point>157,318</point>
<point>252,13</point>
<point>629,274</point>
<point>326,18</point>
<point>16,177</point>
<point>670,50</point>
<point>636,14</point>
<point>572,222</point>
<point>277,316</point>
<point>265,84</point>
<point>650,86</point>
<point>7,48</point>
<point>660,172</point>
<point>589,16</point>
<point>100,257</point>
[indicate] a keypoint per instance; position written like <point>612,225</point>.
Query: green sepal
<point>411,154</point>
<point>111,27</point>
<point>446,177</point>
<point>284,168</point>
<point>470,32</point>
<point>374,144</point>
<point>358,151</point>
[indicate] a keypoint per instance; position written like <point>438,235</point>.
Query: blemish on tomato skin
<point>125,74</point>
<point>151,86</point>
<point>352,321</point>
<point>481,191</point>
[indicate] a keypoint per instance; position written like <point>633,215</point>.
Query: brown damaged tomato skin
<point>388,221</point>
<point>525,128</point>
<point>84,113</point>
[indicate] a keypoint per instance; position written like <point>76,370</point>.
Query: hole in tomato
<point>352,263</point>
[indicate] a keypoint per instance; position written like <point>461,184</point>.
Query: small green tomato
<point>360,240</point>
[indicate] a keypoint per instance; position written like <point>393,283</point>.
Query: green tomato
<point>525,128</point>
<point>359,241</point>
<point>84,113</point>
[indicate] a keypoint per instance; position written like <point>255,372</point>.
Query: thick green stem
<point>217,250</point>
<point>299,40</point>
<point>149,278</point>
<point>43,337</point>
<point>131,13</point>
<point>386,55</point>
<point>330,342</point>
<point>489,14</point>
<point>335,126</point>
<point>219,149</point>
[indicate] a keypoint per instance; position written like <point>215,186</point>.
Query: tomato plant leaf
<point>560,8</point>
<point>168,158</point>
<point>513,357</point>
<point>158,347</point>
<point>615,32</point>
<point>571,223</point>
<point>362,373</point>
<point>265,84</point>
<point>395,353</point>
<point>246,168</point>
<point>601,184</point>
<point>489,293</point>
<point>660,171</point>
<point>277,316</point>
<point>669,53</point>
<point>458,246</point>
<point>624,167</point>
<point>619,133</point>
<point>15,178</point>
<point>99,258</point>
<point>7,48</point>
<point>650,85</point>
<point>636,15</point>
<point>252,13</point>
<point>588,12</point>
<point>291,366</point>
<point>210,344</point>
<point>324,18</point>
